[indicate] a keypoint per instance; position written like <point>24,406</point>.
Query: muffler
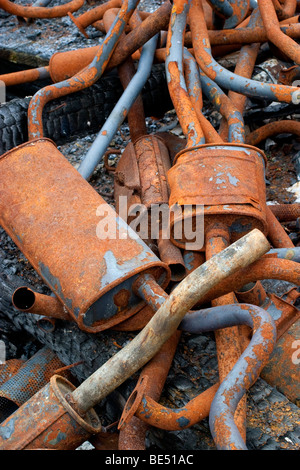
<point>83,251</point>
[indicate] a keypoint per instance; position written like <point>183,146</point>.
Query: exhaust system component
<point>221,417</point>
<point>118,114</point>
<point>49,420</point>
<point>64,65</point>
<point>93,15</point>
<point>142,402</point>
<point>83,79</point>
<point>223,77</point>
<point>26,300</point>
<point>58,212</point>
<point>33,375</point>
<point>274,33</point>
<point>40,12</point>
<point>212,181</point>
<point>60,223</point>
<point>25,76</point>
<point>130,359</point>
<point>282,369</point>
<point>151,382</point>
<point>141,177</point>
<point>9,368</point>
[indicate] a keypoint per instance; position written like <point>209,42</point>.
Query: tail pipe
<point>223,77</point>
<point>64,65</point>
<point>26,300</point>
<point>117,116</point>
<point>151,382</point>
<point>83,79</point>
<point>40,11</point>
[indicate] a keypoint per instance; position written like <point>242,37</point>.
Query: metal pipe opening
<point>23,298</point>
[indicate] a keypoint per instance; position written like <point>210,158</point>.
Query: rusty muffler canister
<point>54,216</point>
<point>47,421</point>
<point>224,182</point>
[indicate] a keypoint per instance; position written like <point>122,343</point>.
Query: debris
<point>139,250</point>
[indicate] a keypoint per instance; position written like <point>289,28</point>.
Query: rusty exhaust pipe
<point>96,290</point>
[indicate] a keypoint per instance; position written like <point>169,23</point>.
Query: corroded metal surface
<point>223,77</point>
<point>217,179</point>
<point>25,76</point>
<point>85,77</point>
<point>282,369</point>
<point>63,65</point>
<point>9,368</point>
<point>40,12</point>
<point>50,422</point>
<point>156,369</point>
<point>120,282</point>
<point>90,268</point>
<point>286,212</point>
<point>274,33</point>
<point>166,320</point>
<point>28,380</point>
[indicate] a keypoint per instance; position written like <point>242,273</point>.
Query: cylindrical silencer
<point>211,184</point>
<point>86,254</point>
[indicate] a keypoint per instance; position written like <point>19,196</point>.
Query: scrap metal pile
<point>201,272</point>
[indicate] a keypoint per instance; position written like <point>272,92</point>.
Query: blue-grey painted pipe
<point>245,86</point>
<point>236,130</point>
<point>245,371</point>
<point>222,7</point>
<point>234,20</point>
<point>41,3</point>
<point>194,88</point>
<point>120,111</point>
<point>292,254</point>
<point>175,53</point>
